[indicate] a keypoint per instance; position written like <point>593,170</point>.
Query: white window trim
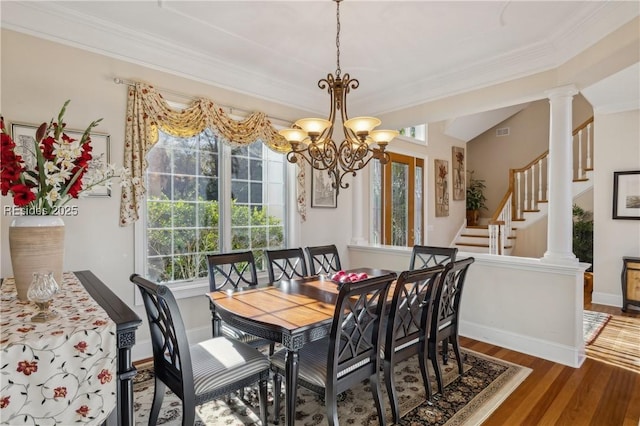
<point>199,287</point>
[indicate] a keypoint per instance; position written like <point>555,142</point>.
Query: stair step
<point>474,235</point>
<point>542,201</point>
<point>478,227</point>
<point>478,245</point>
<point>472,245</point>
<point>581,180</point>
<point>531,211</point>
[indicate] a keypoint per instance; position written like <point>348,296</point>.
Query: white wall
<point>618,149</point>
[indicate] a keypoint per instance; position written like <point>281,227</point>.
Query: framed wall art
<point>626,195</point>
<point>457,160</point>
<point>323,194</point>
<point>442,187</point>
<point>24,138</point>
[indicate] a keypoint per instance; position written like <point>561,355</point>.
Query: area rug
<point>468,399</point>
<point>618,343</point>
<point>592,324</point>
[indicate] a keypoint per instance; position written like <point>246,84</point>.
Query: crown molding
<point>108,39</point>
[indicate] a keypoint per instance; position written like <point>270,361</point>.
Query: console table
<point>630,282</point>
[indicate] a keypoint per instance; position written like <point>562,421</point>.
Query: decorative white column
<point>560,216</point>
<point>357,222</point>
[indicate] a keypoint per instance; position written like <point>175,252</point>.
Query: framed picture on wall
<point>442,187</point>
<point>24,138</point>
<point>457,160</point>
<point>323,194</point>
<point>626,195</point>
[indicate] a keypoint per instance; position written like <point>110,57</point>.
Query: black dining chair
<point>349,355</point>
<point>407,327</point>
<point>428,256</point>
<point>200,372</point>
<point>233,271</point>
<point>445,317</point>
<point>285,264</point>
<point>323,259</point>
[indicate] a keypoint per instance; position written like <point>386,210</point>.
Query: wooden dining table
<point>291,312</point>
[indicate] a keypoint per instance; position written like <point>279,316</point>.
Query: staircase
<point>525,201</point>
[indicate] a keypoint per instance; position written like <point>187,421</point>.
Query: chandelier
<point>311,139</point>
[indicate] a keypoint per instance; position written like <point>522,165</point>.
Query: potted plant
<point>583,243</point>
<point>475,199</point>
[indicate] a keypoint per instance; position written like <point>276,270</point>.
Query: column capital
<point>568,90</point>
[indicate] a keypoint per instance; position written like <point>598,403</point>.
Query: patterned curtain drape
<point>147,111</point>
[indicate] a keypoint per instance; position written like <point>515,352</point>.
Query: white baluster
<point>508,218</point>
<point>580,170</point>
<point>540,180</point>
<point>493,239</point>
<point>534,201</point>
<point>589,166</point>
<point>518,197</point>
<point>526,191</point>
<point>546,186</point>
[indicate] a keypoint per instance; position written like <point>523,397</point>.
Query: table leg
<point>291,386</point>
<point>126,373</point>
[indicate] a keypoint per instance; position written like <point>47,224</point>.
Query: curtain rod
<point>231,109</point>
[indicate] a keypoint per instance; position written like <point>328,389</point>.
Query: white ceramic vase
<point>36,244</point>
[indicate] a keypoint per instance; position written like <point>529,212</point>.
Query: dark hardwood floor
<point>596,394</point>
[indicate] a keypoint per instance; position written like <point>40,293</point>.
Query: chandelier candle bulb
<point>362,125</point>
<point>313,126</point>
<point>383,137</point>
<point>293,135</point>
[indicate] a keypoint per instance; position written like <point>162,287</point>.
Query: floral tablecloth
<point>61,372</point>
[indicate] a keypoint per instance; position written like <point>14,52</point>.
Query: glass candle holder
<point>41,291</point>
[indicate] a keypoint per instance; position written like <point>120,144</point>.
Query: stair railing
<point>528,186</point>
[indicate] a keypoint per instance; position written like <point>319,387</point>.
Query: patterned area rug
<point>593,323</point>
<point>468,399</point>
<point>618,343</point>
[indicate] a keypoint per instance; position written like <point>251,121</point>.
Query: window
<point>206,197</point>
<point>398,212</point>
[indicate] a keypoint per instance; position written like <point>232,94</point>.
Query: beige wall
<point>492,156</point>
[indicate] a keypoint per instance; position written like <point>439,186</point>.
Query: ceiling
<point>403,53</point>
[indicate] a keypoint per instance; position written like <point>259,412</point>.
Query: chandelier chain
<point>338,38</point>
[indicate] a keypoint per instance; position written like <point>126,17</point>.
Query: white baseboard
<point>573,357</point>
<point>606,299</point>
<point>143,350</point>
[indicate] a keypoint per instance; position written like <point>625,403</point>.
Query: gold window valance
<point>147,111</point>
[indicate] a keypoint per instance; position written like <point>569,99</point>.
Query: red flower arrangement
<point>64,169</point>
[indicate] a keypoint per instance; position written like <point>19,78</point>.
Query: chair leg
<point>456,348</point>
<point>272,347</point>
<point>277,389</point>
<point>241,393</point>
<point>390,383</point>
<point>433,354</point>
<point>424,370</point>
<point>262,398</point>
<point>445,351</point>
<point>374,382</point>
<point>158,396</point>
<point>332,407</point>
<point>188,413</point>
